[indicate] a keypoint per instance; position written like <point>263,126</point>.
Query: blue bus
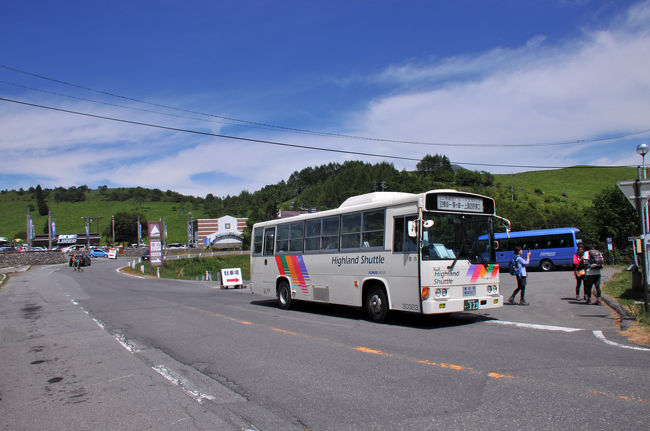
<point>549,248</point>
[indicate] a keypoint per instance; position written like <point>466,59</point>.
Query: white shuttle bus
<point>427,253</point>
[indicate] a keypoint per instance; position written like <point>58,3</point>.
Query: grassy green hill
<point>578,184</point>
<point>68,215</point>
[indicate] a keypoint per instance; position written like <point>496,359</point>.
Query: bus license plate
<point>469,291</point>
<point>471,304</point>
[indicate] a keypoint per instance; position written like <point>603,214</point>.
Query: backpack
<point>514,270</point>
<point>595,259</point>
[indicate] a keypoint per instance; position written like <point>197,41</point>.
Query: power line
<point>330,134</point>
<point>260,141</point>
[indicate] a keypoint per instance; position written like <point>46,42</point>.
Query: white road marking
<point>125,343</point>
<point>177,381</point>
<point>536,326</point>
<point>601,337</point>
<point>598,334</point>
<point>99,323</point>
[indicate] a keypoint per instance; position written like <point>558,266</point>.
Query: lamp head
<point>642,149</point>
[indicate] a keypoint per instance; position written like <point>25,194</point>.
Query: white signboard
<point>231,277</point>
<point>112,253</point>
<point>155,244</point>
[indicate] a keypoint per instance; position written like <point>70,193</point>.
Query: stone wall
<point>32,258</point>
<point>51,257</point>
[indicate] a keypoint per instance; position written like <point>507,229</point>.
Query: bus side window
<point>373,228</point>
<point>398,234</point>
<point>282,239</point>
<point>410,244</point>
<point>312,235</point>
<point>258,239</point>
<point>402,242</point>
<point>296,236</point>
<point>330,234</point>
<point>269,241</point>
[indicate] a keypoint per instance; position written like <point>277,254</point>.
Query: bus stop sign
<point>635,191</point>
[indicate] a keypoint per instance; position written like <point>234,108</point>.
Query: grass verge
<point>195,268</point>
<point>620,288</point>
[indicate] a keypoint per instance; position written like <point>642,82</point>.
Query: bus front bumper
<point>461,305</point>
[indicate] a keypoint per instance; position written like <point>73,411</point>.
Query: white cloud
<point>540,92</point>
<point>597,86</point>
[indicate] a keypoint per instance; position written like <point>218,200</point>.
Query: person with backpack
<point>518,266</point>
<point>579,271</point>
<point>593,259</point>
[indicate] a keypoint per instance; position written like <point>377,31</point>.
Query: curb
<point>10,269</point>
<point>626,316</point>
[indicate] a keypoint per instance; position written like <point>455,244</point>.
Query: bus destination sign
<point>460,203</point>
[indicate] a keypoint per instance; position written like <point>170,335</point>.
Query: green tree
<point>611,215</point>
<point>41,201</point>
<point>126,227</point>
<point>437,168</point>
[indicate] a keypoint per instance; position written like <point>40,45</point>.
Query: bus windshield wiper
<point>460,253</point>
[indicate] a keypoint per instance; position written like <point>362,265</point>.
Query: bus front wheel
<point>284,295</point>
<point>376,304</point>
<point>546,265</point>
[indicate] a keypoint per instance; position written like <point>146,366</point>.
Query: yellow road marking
<point>491,374</point>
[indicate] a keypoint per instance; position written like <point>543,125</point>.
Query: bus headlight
<point>442,293</point>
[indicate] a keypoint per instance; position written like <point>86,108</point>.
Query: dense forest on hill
<point>584,197</point>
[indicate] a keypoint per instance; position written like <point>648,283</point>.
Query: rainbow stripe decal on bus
<point>294,267</point>
<point>482,271</point>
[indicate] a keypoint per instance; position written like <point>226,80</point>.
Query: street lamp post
<point>642,150</point>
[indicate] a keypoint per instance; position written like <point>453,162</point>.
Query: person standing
<point>521,277</point>
<point>579,271</point>
<point>593,258</point>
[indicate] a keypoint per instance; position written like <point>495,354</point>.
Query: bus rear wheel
<point>284,295</point>
<point>546,265</point>
<point>376,304</point>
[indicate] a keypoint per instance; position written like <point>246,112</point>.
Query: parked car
<point>98,252</point>
<point>145,255</point>
<point>8,248</point>
<point>72,248</point>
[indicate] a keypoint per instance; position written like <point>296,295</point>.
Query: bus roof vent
<point>375,197</point>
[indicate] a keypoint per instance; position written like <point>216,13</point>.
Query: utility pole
<point>29,230</point>
<point>49,229</point>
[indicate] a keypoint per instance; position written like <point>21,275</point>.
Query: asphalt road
<point>102,350</point>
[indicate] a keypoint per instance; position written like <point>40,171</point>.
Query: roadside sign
<point>629,187</point>
<point>155,243</point>
<point>112,253</point>
<point>231,277</point>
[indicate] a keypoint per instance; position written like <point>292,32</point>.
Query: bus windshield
<point>456,236</point>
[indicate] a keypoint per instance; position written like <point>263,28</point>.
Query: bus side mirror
<point>412,229</point>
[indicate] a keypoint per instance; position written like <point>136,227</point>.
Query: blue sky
<point>496,85</point>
